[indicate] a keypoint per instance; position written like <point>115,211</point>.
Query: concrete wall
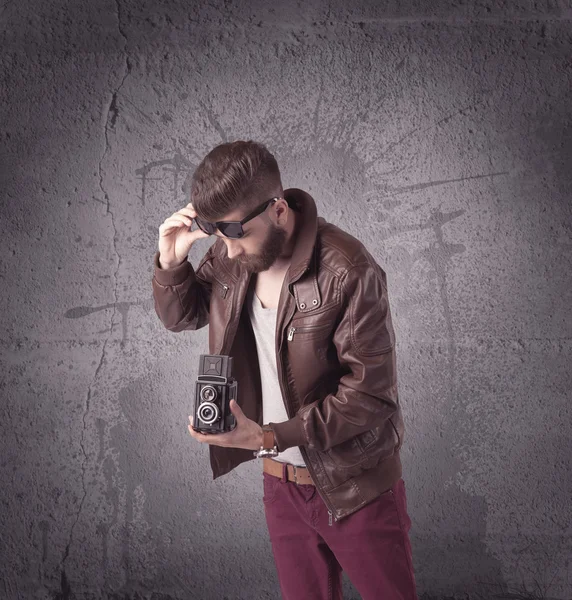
<point>439,133</point>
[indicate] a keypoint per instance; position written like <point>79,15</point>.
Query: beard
<point>271,249</point>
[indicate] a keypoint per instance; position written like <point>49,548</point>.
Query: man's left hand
<point>247,434</point>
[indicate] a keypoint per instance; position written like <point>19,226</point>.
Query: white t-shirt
<point>273,410</point>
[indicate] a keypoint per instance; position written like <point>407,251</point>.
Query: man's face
<point>261,245</point>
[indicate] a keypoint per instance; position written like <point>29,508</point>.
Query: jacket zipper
<point>293,330</point>
<point>313,474</point>
<point>232,311</point>
<point>225,287</point>
<point>302,449</point>
<point>223,293</point>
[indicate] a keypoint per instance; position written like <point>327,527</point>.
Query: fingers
<point>212,438</point>
<point>169,225</point>
<point>184,216</point>
<point>189,210</point>
<point>218,439</point>
<point>201,437</point>
<point>175,220</point>
<point>198,436</point>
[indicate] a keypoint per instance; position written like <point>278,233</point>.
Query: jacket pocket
<point>305,332</point>
<point>221,286</point>
<point>364,450</point>
<point>354,451</point>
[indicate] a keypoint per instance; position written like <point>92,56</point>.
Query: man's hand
<point>247,434</point>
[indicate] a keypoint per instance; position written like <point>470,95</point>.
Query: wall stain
<point>177,164</point>
<point>215,122</point>
<point>78,312</point>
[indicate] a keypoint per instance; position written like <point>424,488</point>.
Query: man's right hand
<point>176,238</point>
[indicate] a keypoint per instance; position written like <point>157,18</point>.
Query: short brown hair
<point>232,175</point>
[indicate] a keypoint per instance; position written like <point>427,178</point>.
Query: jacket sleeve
<point>367,393</point>
<point>181,294</point>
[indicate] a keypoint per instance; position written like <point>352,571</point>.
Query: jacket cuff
<point>289,433</point>
<point>174,276</point>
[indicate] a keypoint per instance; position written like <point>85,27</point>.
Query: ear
<point>281,211</point>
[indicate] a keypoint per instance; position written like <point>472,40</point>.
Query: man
<point>302,307</point>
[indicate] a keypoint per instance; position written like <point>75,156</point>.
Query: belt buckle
<point>295,473</point>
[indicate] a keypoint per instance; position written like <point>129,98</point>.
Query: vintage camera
<point>215,388</point>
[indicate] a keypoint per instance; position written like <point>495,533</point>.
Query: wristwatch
<point>268,448</point>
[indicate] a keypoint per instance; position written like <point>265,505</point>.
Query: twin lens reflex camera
<point>215,388</point>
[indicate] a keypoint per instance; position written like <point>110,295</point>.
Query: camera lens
<point>208,412</point>
<point>208,393</point>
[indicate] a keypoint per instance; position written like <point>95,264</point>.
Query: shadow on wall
<point>161,535</point>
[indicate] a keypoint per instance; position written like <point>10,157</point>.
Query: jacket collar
<point>306,231</point>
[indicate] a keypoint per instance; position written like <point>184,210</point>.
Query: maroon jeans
<point>371,545</point>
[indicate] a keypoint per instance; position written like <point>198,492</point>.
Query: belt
<point>295,473</point>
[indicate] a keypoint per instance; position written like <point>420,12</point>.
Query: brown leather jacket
<point>335,355</point>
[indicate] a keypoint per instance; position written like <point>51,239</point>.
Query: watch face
<point>267,453</point>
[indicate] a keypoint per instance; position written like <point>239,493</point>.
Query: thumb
<point>196,234</point>
<point>199,234</point>
<point>236,410</point>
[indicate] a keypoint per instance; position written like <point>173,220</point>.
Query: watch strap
<point>268,448</point>
<point>268,440</point>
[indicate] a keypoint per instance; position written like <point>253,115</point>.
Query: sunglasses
<point>232,229</point>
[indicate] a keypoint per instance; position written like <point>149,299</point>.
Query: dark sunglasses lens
<point>231,230</point>
<point>206,226</point>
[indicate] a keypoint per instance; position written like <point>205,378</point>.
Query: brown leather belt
<point>295,474</point>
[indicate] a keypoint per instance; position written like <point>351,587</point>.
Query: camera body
<point>215,388</point>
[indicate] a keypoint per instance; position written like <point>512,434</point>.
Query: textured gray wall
<point>437,132</point>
